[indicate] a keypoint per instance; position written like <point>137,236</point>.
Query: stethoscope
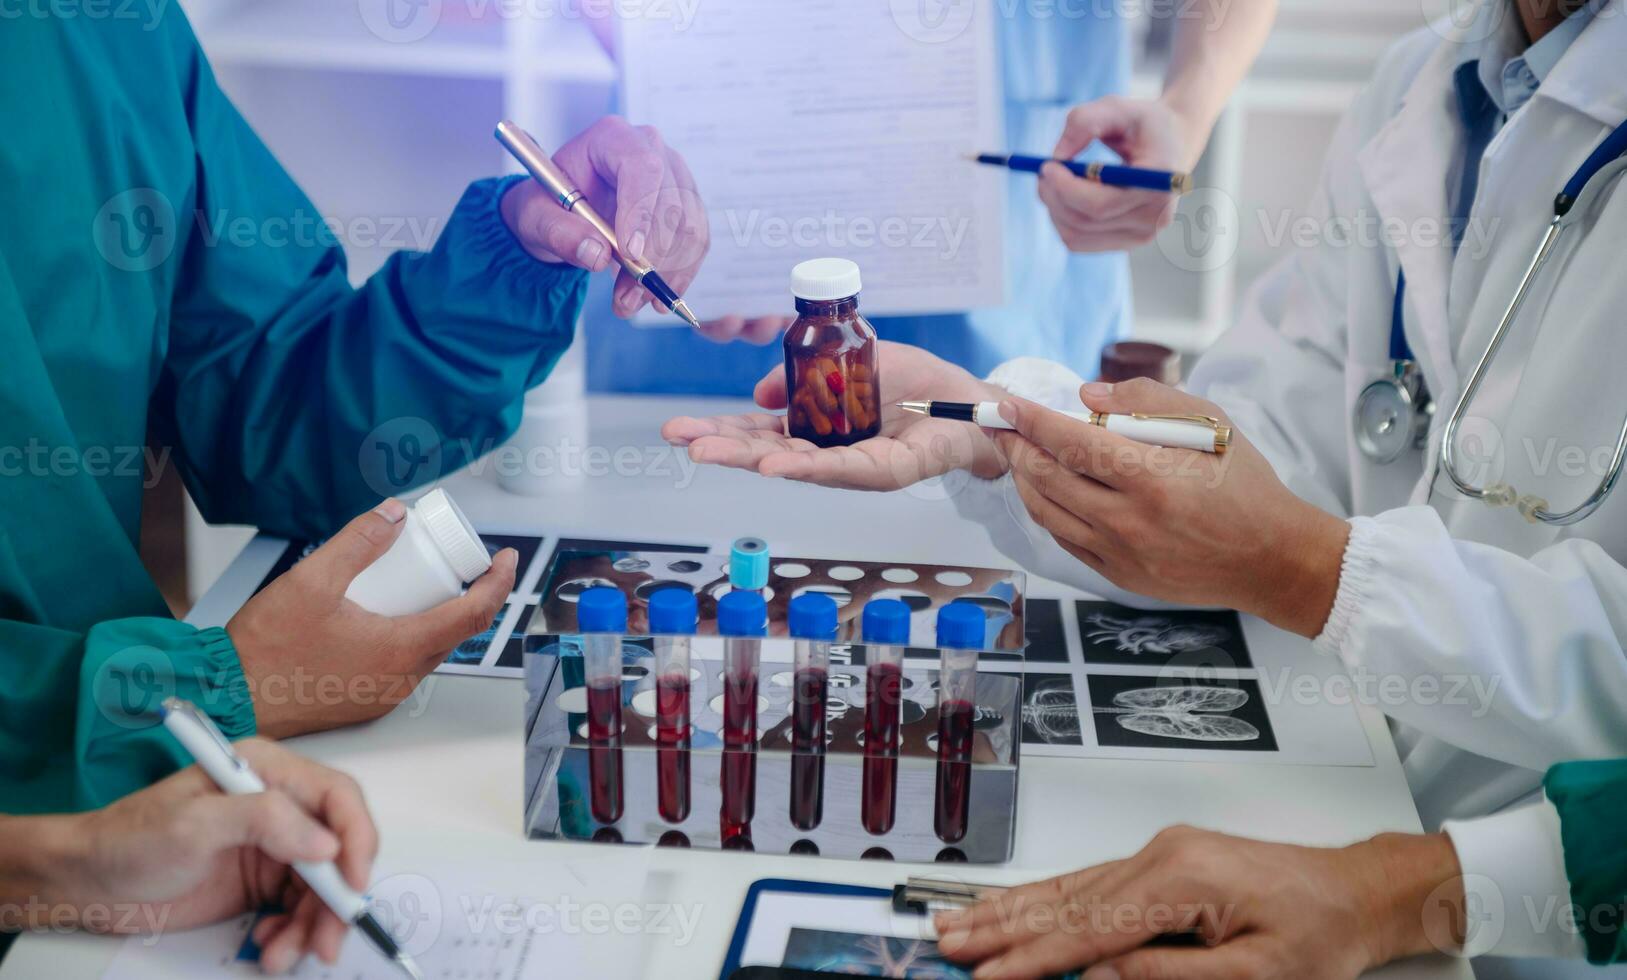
<point>1393,413</point>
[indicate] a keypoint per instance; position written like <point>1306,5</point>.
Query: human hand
<point>1265,911</point>
<point>641,187</point>
<point>910,448</point>
<point>1093,217</point>
<point>315,660</point>
<point>189,855</point>
<point>1189,527</point>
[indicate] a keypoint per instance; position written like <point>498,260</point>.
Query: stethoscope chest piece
<point>1392,414</point>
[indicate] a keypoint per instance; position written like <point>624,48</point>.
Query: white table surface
<point>447,779</point>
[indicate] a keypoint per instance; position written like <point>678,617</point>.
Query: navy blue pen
<point>1170,182</point>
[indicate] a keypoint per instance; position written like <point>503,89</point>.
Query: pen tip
<point>408,966</point>
<point>688,316</point>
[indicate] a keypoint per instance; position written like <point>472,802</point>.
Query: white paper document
<point>821,129</point>
<point>466,920</point>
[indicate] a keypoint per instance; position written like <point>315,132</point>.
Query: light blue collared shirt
<point>1494,78</point>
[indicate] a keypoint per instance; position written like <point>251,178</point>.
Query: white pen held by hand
<point>1196,432</point>
<point>216,757</point>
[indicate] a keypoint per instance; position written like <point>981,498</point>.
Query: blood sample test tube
<point>742,620</point>
<point>601,617</point>
<point>813,623</point>
<point>886,631</point>
<point>673,619</point>
<point>961,629</point>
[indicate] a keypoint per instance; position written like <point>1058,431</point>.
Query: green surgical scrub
<point>1591,798</point>
<point>164,282</point>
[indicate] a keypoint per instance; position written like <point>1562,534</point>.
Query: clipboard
<point>748,913</point>
<point>916,898</point>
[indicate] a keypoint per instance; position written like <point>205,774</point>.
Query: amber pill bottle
<point>831,377</point>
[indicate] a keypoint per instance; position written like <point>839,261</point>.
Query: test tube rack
<point>563,768</point>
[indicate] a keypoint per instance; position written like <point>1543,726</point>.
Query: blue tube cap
<point>742,614</point>
<point>601,609</point>
<point>961,625</point>
<point>886,621</point>
<point>672,610</point>
<point>813,617</point>
<point>748,563</point>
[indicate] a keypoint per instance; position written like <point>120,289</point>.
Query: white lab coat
<point>1434,584</point>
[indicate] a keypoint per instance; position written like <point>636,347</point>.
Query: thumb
<point>1142,395</point>
<point>438,630</point>
<point>549,232</point>
<point>358,544</point>
<point>574,240</point>
<point>270,822</point>
<point>770,391</point>
<point>1104,119</point>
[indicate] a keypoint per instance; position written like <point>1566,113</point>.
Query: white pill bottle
<point>437,552</point>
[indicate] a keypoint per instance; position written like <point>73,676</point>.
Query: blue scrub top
<point>1061,306</point>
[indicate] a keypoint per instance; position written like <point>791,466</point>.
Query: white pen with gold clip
<point>1202,433</point>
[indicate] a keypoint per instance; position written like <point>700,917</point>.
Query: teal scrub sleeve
<point>297,401</point>
<point>97,692</point>
<point>1591,798</point>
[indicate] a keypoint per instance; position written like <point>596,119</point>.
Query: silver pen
<point>216,757</point>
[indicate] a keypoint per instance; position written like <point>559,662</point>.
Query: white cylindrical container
<point>547,453</point>
<point>437,552</point>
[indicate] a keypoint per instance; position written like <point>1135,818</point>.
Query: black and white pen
<point>1202,433</point>
<point>215,755</point>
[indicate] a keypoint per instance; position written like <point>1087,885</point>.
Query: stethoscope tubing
<point>1535,509</point>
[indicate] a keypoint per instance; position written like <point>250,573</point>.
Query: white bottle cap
<point>825,279</point>
<point>453,535</point>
